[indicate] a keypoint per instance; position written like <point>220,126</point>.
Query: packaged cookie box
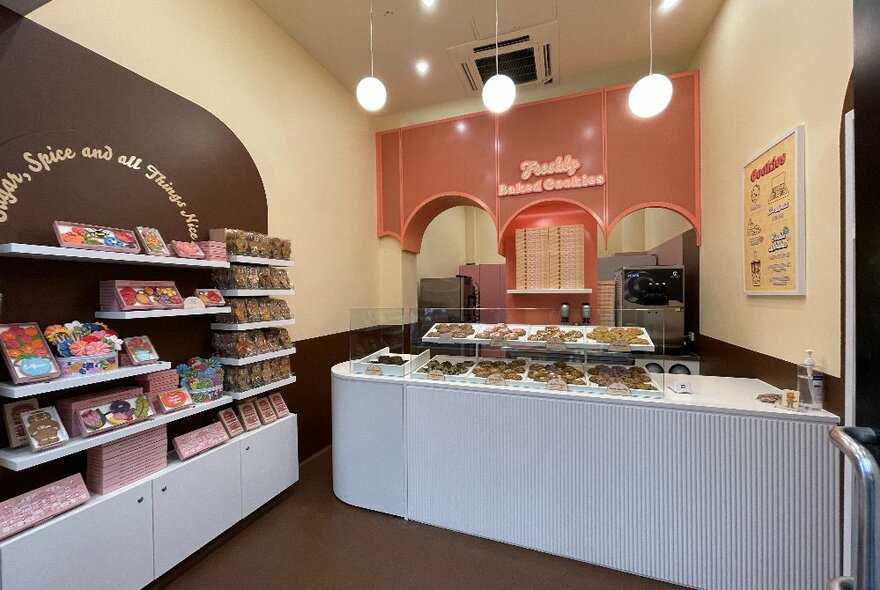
<point>371,365</point>
<point>600,345</point>
<point>139,295</point>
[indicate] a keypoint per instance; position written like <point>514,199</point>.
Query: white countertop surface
<point>725,395</point>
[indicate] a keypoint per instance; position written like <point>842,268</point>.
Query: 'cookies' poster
<point>773,220</point>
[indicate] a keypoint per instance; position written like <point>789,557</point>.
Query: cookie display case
<point>531,350</point>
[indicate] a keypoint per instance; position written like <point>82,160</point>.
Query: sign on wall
<point>559,174</point>
<point>773,219</point>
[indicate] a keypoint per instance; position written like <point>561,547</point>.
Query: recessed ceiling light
<point>461,126</point>
<point>668,5</point>
<point>429,4</point>
<point>422,67</point>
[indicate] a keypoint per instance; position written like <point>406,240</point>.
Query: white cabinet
<point>269,463</point>
<point>193,502</point>
<point>107,543</point>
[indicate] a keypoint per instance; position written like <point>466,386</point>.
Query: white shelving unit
<point>256,292</point>
<point>549,291</point>
<point>11,390</point>
<point>158,313</point>
<point>259,390</point>
<point>24,458</point>
<point>251,325</point>
<point>249,360</point>
<point>256,260</point>
<point>77,254</point>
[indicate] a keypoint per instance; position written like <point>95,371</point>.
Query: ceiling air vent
<point>527,56</point>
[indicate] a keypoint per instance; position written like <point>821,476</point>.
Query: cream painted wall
<point>766,67</point>
<point>443,245</point>
<point>661,225</point>
<point>293,117</point>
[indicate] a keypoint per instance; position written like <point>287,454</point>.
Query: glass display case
<point>521,348</point>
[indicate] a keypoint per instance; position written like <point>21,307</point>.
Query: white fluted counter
<point>709,490</point>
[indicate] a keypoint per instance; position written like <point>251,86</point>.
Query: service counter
<point>712,489</point>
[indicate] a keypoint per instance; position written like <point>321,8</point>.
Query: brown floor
<point>311,540</point>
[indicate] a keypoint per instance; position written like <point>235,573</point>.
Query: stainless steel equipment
<point>861,446</point>
<point>451,299</point>
<point>652,297</point>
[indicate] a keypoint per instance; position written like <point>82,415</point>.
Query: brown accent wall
<point>60,94</point>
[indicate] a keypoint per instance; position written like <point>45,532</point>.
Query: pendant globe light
<point>499,91</point>
<point>370,91</point>
<point>651,95</point>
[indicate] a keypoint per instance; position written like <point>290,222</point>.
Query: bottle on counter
<point>811,383</point>
<point>564,312</point>
<point>585,313</point>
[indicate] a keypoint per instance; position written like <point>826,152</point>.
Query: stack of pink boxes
<point>157,383</point>
<point>603,304</point>
<point>213,250</point>
<point>117,464</point>
<point>69,408</point>
<point>571,257</point>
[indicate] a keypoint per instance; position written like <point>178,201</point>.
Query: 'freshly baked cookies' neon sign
<point>532,173</point>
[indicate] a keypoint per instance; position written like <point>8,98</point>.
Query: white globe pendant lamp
<point>370,91</point>
<point>651,95</point>
<point>499,91</point>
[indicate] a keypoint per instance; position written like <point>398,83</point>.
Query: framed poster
<point>773,219</point>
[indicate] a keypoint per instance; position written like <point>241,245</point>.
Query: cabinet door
<point>107,543</point>
<point>269,463</point>
<point>193,503</point>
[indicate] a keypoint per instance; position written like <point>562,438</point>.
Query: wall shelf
<point>259,390</point>
<point>159,313</point>
<point>549,291</point>
<point>249,360</point>
<point>9,389</point>
<point>252,325</point>
<point>23,458</point>
<point>240,259</point>
<point>256,292</point>
<point>77,254</point>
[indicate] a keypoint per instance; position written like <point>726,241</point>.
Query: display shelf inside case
<point>643,334</point>
<point>257,292</point>
<point>72,254</point>
<point>227,327</point>
<point>257,261</point>
<point>10,390</point>
<point>372,364</point>
<point>248,360</point>
<point>159,313</point>
<point>262,389</point>
<point>24,458</point>
<point>549,291</point>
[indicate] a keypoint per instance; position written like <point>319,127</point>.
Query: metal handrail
<point>851,440</point>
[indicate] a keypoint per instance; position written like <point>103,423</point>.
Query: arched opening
<point>418,221</point>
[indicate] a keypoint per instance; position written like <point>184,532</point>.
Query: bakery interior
<point>564,291</point>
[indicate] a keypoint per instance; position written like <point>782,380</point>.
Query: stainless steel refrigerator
<point>451,299</point>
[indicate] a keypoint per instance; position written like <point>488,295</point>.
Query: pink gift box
<point>34,507</point>
<point>195,442</point>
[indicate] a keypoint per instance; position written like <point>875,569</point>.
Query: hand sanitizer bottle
<point>811,383</point>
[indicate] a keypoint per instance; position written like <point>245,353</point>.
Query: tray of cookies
<point>573,374</point>
<point>450,332</point>
<point>444,367</point>
<point>384,362</point>
<point>501,332</point>
<point>631,337</point>
<point>567,336</point>
<point>639,381</point>
<point>498,372</point>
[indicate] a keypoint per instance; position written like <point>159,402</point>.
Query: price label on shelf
<point>618,389</point>
<point>374,370</point>
<point>495,379</point>
<point>445,339</point>
<point>557,384</point>
<point>555,343</point>
<point>436,375</point>
<point>619,346</point>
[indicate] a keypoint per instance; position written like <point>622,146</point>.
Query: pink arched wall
<point>425,169</point>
